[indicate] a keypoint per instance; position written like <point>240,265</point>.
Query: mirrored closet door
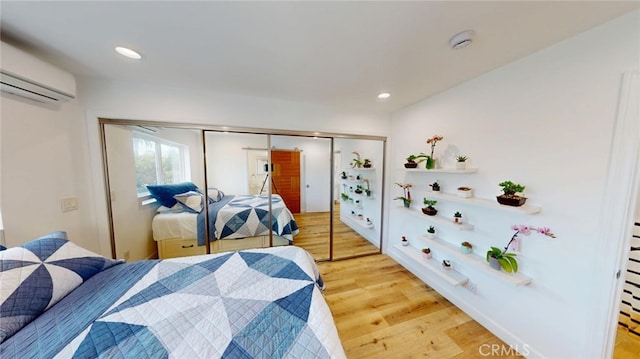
<point>173,188</point>
<point>358,191</point>
<point>302,177</point>
<point>139,157</point>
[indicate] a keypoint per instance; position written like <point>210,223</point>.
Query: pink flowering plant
<point>507,260</point>
<point>406,189</point>
<point>432,141</point>
<point>429,158</point>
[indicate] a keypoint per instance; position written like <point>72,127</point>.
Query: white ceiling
<point>334,53</point>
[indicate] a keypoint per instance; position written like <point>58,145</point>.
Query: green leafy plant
<point>461,158</point>
<point>510,188</point>
<point>429,202</point>
<point>417,158</point>
<point>457,214</point>
<point>431,229</point>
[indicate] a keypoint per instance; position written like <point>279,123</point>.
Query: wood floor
<point>314,236</point>
<point>381,310</point>
<point>627,345</point>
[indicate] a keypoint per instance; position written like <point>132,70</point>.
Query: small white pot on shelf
<point>465,192</point>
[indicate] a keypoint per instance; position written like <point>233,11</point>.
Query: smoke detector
<point>462,39</point>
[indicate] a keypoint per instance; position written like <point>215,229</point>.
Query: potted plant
<point>358,189</point>
<point>426,253</point>
<point>411,162</point>
<point>457,218</point>
<point>431,232</point>
<point>429,210</point>
<point>509,196</point>
<point>465,192</point>
<point>461,162</point>
<point>356,161</point>
<point>446,264</point>
<point>466,247</point>
<point>366,163</point>
<point>343,175</point>
<point>344,196</point>
<point>435,186</point>
<point>406,199</point>
<point>368,189</point>
<point>501,259</point>
<point>431,161</point>
<point>404,241</point>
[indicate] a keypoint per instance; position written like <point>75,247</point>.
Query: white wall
<point>44,157</point>
<point>545,121</point>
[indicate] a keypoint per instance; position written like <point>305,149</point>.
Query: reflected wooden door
<point>286,177</point>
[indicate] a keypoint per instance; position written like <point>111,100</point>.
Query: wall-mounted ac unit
<point>25,75</point>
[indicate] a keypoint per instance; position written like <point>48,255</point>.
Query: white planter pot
<point>461,165</point>
<point>465,194</point>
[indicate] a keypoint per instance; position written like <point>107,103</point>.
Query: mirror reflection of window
<point>158,161</point>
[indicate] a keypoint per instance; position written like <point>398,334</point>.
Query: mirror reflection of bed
<point>239,177</point>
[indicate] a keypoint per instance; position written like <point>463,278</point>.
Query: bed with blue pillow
<point>59,300</point>
<point>181,216</point>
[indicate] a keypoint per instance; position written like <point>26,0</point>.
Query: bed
<point>260,303</point>
<point>179,227</point>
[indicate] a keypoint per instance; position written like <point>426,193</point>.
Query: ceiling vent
<point>24,75</point>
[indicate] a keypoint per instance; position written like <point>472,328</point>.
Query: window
<point>158,161</point>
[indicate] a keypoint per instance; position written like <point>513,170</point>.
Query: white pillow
<point>191,201</point>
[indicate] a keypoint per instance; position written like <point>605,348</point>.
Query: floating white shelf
<point>362,169</point>
<point>441,170</point>
<point>451,276</point>
<point>526,209</point>
<point>358,222</point>
<point>474,260</point>
<point>439,220</point>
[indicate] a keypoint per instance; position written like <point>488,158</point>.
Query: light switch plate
<point>69,204</point>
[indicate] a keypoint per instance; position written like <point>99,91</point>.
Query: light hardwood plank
<point>382,310</point>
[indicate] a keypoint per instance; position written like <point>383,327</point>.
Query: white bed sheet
<point>182,225</point>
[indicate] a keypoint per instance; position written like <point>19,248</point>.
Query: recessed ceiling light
<point>128,53</point>
<point>463,39</point>
<point>384,95</point>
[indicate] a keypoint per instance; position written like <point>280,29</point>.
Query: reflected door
<point>285,179</point>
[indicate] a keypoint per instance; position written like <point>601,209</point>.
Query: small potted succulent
<point>457,218</point>
<point>359,189</point>
<point>466,247</point>
<point>465,192</point>
<point>343,175</point>
<point>426,253</point>
<point>431,232</point>
<point>509,196</point>
<point>435,186</point>
<point>404,241</point>
<point>429,210</point>
<point>461,162</point>
<point>366,163</point>
<point>446,264</point>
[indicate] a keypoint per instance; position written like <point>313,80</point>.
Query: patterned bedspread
<point>262,303</point>
<point>248,216</point>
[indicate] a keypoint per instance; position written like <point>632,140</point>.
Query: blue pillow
<point>164,193</point>
<point>38,274</point>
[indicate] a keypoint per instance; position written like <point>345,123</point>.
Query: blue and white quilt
<point>242,216</point>
<point>262,303</point>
